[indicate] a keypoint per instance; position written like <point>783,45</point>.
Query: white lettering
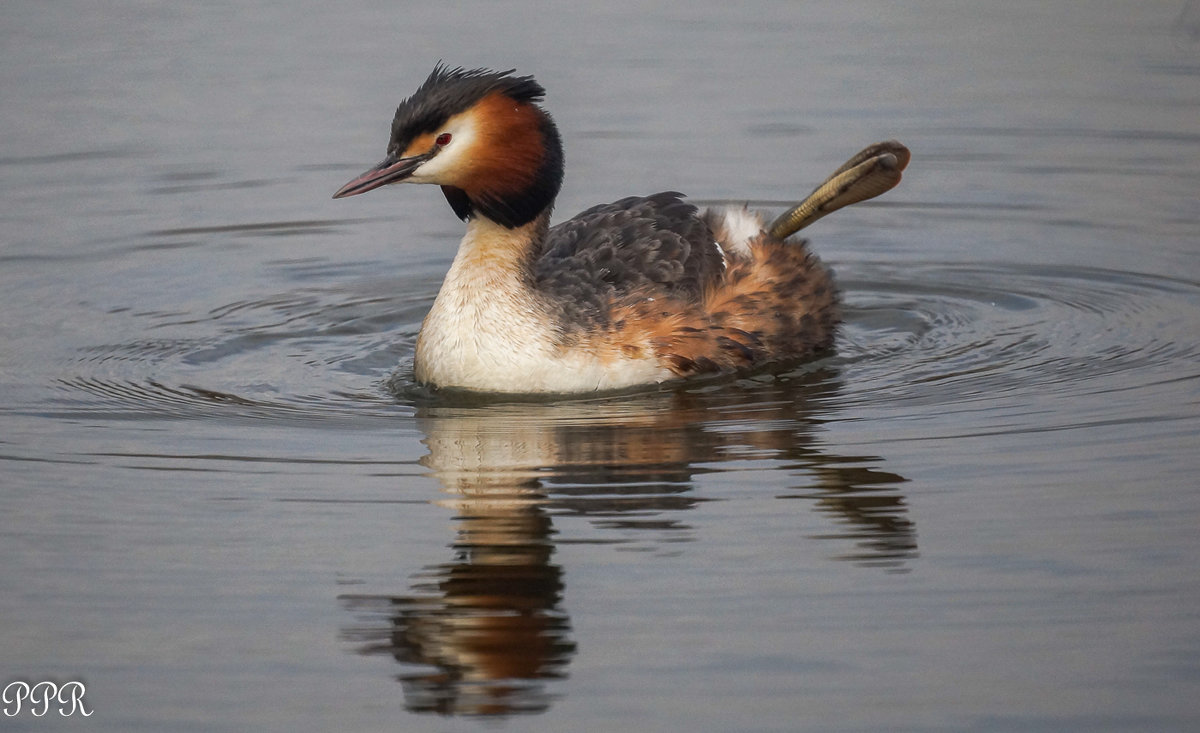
<point>12,699</point>
<point>77,691</point>
<point>44,694</point>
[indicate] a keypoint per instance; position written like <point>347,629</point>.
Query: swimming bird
<point>632,293</point>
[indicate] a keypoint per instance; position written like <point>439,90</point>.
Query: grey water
<point>224,506</point>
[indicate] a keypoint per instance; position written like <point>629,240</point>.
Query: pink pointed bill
<point>389,170</point>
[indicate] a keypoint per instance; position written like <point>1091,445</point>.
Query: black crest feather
<point>446,92</point>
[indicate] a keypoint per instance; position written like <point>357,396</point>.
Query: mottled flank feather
<point>638,247</point>
<point>647,278</point>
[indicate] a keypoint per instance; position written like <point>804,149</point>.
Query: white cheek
<point>441,169</point>
<point>434,171</point>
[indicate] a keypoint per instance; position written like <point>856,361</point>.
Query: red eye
<point>443,139</point>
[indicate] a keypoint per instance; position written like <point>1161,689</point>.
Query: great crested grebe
<point>636,292</point>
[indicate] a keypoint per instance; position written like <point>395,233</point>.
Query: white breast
<point>486,331</point>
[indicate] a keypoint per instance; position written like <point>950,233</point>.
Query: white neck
<point>485,323</point>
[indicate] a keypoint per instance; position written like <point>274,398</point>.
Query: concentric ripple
<point>953,337</point>
<point>310,354</point>
<point>916,337</point>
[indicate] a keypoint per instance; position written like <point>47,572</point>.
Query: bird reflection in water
<point>485,630</point>
<point>485,634</point>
